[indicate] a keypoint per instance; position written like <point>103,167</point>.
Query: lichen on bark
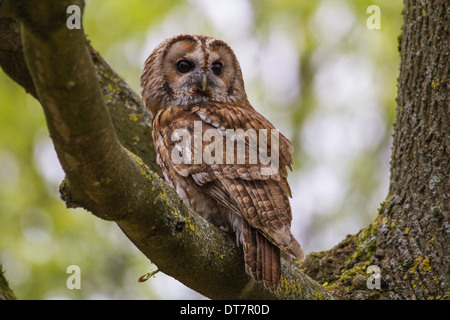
<point>341,268</point>
<point>409,238</point>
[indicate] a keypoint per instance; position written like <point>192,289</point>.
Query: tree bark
<point>102,137</point>
<point>5,292</point>
<point>415,219</point>
<point>409,239</point>
<point>103,140</point>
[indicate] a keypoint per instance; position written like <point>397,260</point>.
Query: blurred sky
<point>313,69</point>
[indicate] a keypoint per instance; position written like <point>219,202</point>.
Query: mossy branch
<point>102,137</point>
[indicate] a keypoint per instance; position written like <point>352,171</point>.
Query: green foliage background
<point>338,183</point>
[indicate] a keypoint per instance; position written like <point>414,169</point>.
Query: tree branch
<point>102,137</point>
<point>5,292</point>
<point>408,240</point>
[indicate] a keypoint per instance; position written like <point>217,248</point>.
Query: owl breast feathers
<point>224,159</point>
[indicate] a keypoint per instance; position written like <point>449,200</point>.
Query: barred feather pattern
<point>237,192</point>
<point>236,197</point>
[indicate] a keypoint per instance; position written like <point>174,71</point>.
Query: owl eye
<point>216,68</point>
<point>184,66</point>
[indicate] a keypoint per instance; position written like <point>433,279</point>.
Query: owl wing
<point>261,200</point>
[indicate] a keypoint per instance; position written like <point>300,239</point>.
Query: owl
<point>210,145</point>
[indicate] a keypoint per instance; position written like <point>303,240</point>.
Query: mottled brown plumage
<point>193,84</point>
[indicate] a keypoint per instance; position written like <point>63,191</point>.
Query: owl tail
<point>294,249</point>
<point>261,257</point>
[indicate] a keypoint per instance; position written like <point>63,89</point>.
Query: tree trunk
<point>406,245</point>
<point>409,239</point>
<point>415,220</point>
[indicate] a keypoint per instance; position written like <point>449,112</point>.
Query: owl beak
<point>204,82</point>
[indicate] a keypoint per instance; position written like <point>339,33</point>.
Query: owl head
<point>186,69</point>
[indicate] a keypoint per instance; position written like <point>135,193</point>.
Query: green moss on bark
<point>343,269</point>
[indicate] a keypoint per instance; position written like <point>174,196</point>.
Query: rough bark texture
<point>414,232</point>
<point>102,137</point>
<point>409,239</point>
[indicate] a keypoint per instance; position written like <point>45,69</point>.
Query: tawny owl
<point>193,87</point>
